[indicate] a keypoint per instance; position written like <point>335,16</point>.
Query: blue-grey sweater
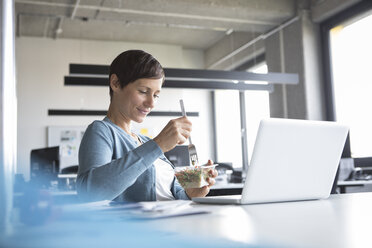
<point>113,167</point>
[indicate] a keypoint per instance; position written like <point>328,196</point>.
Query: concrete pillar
<point>221,56</point>
<point>296,49</point>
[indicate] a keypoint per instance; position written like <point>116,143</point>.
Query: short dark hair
<point>135,64</point>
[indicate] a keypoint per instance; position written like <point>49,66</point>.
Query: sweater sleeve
<point>102,178</point>
<point>179,192</point>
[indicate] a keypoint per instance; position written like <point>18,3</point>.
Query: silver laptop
<point>293,160</point>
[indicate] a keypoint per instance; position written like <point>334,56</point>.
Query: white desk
<point>341,221</point>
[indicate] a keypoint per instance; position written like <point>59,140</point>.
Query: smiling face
<point>135,101</point>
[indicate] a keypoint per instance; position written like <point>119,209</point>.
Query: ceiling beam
<point>151,13</point>
<point>323,10</point>
<point>144,23</point>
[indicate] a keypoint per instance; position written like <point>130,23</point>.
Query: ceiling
<point>197,24</point>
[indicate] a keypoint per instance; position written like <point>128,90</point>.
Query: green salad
<point>192,177</point>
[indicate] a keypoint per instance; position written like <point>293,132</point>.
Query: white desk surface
<point>341,221</point>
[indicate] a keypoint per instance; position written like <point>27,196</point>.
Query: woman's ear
<point>114,82</point>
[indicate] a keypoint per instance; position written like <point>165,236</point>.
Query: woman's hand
<point>201,192</point>
<point>175,132</point>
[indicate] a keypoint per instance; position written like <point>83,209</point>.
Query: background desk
<point>236,188</point>
<point>226,189</point>
<point>343,220</point>
<point>356,183</point>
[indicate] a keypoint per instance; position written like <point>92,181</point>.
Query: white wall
<point>41,65</point>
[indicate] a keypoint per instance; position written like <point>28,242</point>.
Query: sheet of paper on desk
<point>101,206</point>
<point>140,210</point>
<point>164,209</point>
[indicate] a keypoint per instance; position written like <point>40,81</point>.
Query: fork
<point>192,150</point>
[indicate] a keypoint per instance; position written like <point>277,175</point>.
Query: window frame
<point>353,12</point>
<point>243,122</point>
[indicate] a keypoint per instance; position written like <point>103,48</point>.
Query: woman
<point>115,163</point>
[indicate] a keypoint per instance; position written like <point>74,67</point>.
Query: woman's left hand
<point>201,192</point>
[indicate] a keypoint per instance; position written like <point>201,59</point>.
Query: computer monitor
<point>179,156</point>
<point>45,166</point>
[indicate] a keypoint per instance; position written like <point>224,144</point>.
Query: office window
<point>257,107</point>
<point>228,125</point>
<point>351,53</point>
<point>229,144</point>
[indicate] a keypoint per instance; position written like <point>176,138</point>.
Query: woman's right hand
<point>175,132</point>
